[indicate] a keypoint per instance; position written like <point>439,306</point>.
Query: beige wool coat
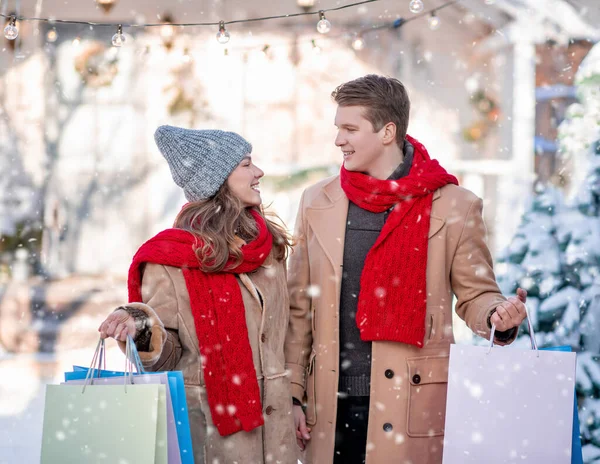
<point>408,384</point>
<point>174,346</point>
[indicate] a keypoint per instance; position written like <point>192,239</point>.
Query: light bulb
<point>106,5</point>
<point>358,43</point>
<point>434,21</point>
<point>323,26</point>
<point>52,35</point>
<point>118,39</point>
<point>222,36</point>
<point>416,6</point>
<point>11,32</point>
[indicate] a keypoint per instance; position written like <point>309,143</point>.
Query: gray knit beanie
<point>200,160</point>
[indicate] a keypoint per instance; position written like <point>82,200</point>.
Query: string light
<point>52,35</point>
<point>222,36</point>
<point>11,32</point>
<point>306,5</point>
<point>416,6</point>
<point>323,26</point>
<point>434,21</point>
<point>167,32</point>
<point>358,43</point>
<point>106,5</point>
<point>118,39</point>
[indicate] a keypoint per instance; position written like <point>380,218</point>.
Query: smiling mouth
<point>255,187</point>
<point>347,153</point>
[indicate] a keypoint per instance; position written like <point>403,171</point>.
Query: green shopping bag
<point>104,423</point>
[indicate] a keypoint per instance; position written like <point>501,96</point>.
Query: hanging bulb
<point>316,48</point>
<point>222,36</point>
<point>118,39</point>
<point>11,32</point>
<point>323,26</point>
<point>106,5</point>
<point>358,43</point>
<point>416,6</point>
<point>434,21</point>
<point>52,35</point>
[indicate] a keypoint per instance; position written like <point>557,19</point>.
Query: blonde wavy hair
<point>220,222</point>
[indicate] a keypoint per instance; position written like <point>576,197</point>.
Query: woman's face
<point>243,182</point>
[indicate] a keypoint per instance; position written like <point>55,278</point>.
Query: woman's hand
<point>302,431</point>
<point>118,325</point>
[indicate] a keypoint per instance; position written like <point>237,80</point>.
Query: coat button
<point>263,338</point>
<point>387,427</point>
<point>416,379</point>
<point>269,410</point>
<point>389,373</point>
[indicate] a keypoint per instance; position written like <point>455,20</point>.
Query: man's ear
<point>389,133</point>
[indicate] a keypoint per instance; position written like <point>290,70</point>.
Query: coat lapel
<point>435,222</point>
<point>327,217</point>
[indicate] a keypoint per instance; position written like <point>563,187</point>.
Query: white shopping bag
<point>508,405</point>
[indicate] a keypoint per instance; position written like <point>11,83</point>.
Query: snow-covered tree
<point>555,253</point>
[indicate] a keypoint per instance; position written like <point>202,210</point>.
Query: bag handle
<point>531,334</point>
<point>132,359</point>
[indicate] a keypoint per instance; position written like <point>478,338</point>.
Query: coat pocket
<point>428,387</point>
<point>311,406</point>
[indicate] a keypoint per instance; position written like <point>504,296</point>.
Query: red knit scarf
<point>392,299</point>
<point>220,320</point>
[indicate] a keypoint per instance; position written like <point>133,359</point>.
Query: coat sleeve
<point>160,304</point>
<point>298,343</point>
<point>472,277</point>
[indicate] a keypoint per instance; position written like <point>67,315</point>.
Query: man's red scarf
<point>393,299</point>
<point>220,320</point>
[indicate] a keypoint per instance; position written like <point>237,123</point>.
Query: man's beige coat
<point>408,384</point>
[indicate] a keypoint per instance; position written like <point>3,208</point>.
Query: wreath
<point>96,66</point>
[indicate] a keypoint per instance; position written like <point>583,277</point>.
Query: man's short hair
<point>384,98</point>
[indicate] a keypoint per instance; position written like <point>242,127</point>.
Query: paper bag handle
<point>132,359</point>
<point>529,326</point>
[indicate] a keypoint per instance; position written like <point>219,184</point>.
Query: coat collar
<point>327,216</point>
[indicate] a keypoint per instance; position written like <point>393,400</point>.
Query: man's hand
<point>510,313</point>
<point>302,431</point>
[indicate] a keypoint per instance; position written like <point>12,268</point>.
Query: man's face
<point>361,146</point>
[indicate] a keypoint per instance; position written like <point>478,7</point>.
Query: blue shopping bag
<point>576,453</point>
<point>178,400</point>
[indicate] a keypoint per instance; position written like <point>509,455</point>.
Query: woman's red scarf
<point>220,320</point>
<point>393,301</point>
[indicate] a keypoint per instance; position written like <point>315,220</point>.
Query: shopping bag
<point>102,423</point>
<point>178,399</point>
<point>167,447</point>
<point>509,405</point>
<point>576,451</point>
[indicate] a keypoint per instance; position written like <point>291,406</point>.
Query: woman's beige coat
<point>174,346</point>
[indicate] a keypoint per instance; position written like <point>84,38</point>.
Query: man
<point>381,250</point>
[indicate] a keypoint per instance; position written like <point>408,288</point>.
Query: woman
<point>209,298</point>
